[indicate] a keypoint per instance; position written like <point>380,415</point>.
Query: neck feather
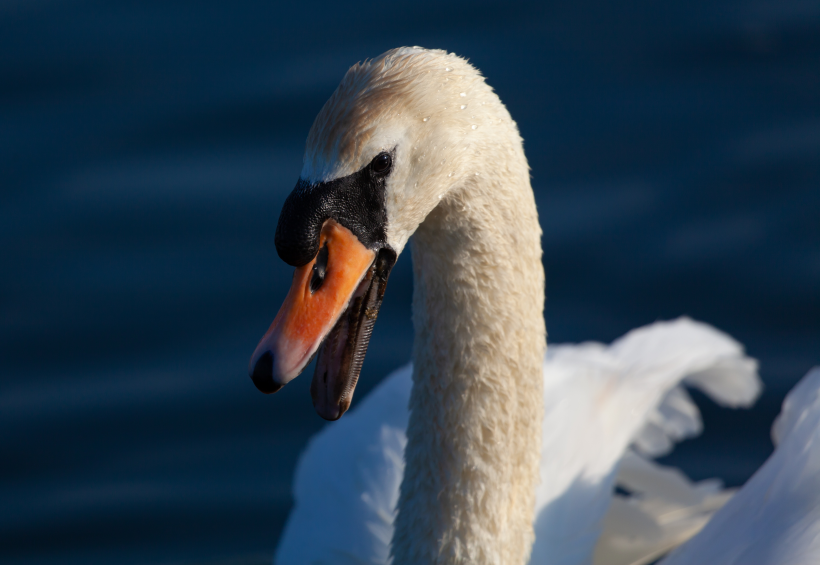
<point>474,433</point>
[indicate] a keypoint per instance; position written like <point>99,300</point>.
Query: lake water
<point>146,148</point>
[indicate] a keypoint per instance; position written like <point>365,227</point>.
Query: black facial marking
<point>319,270</point>
<point>355,201</point>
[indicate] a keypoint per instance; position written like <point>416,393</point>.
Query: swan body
<point>599,400</point>
<point>415,142</point>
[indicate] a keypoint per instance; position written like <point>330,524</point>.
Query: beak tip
<point>262,374</point>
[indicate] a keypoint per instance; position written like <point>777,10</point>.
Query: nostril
<point>262,375</point>
<point>319,269</point>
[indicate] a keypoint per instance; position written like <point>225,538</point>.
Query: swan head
<point>396,137</point>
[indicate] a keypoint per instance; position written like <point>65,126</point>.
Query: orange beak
<point>334,300</point>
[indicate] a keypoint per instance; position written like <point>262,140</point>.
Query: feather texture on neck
<point>476,406</point>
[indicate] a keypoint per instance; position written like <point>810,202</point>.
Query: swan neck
<point>476,406</point>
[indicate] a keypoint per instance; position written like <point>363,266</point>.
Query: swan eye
<point>319,270</point>
<point>381,164</point>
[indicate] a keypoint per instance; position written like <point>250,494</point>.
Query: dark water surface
<point>145,151</point>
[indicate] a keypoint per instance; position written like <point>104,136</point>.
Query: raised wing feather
<point>599,399</point>
<point>663,510</point>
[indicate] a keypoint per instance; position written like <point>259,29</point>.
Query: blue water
<point>145,151</point>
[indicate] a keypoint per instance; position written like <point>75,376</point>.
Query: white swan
<point>415,142</point>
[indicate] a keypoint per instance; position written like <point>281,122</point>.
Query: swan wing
<point>663,510</point>
<point>731,381</point>
<point>599,400</point>
<point>774,519</point>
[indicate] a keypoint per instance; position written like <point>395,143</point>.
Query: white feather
<point>347,482</point>
<point>729,382</point>
<point>600,399</point>
<point>664,509</point>
<point>775,518</point>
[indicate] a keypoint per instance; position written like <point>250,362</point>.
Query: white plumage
<point>775,517</point>
<point>599,400</point>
